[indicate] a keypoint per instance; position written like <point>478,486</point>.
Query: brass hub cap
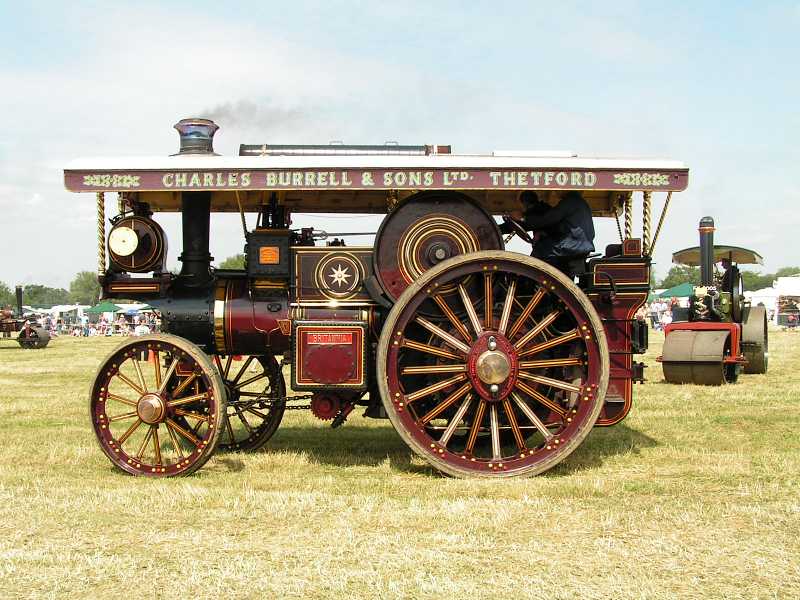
<point>151,408</point>
<point>493,367</point>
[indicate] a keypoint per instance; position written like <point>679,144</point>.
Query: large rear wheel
<point>493,364</point>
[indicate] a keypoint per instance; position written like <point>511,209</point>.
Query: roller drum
<point>697,357</point>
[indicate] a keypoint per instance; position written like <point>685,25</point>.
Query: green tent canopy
<point>683,290</point>
<point>103,307</point>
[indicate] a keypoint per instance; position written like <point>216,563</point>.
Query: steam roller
<point>724,335</point>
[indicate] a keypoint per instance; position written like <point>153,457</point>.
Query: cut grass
<point>696,494</point>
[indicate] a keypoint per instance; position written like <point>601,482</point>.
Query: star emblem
<point>340,275</point>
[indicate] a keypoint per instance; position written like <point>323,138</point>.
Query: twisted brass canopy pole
<point>646,214</point>
<point>629,217</point>
<point>101,233</point>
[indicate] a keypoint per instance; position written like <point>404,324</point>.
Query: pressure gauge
<point>123,241</point>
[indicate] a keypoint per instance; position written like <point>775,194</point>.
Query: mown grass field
<point>696,494</point>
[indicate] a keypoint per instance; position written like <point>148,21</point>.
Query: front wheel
<point>493,364</point>
<point>156,405</point>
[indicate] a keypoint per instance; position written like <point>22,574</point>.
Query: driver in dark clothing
<point>562,232</point>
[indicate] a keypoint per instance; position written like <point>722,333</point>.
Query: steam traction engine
<point>487,362</point>
<point>30,335</point>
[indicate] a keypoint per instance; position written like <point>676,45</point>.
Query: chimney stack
<point>197,136</point>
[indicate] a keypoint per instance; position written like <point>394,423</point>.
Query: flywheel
<point>425,230</point>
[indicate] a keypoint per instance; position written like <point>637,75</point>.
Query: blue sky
<point>713,84</point>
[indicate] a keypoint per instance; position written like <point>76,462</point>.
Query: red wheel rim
<point>540,387</point>
<point>156,408</point>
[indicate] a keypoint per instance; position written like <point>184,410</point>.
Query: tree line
<point>84,289</point>
<point>752,280</point>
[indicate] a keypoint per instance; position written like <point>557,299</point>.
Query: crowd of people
<point>139,324</point>
<point>659,313</point>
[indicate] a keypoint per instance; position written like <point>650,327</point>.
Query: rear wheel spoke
<point>454,422</point>
<point>552,343</point>
<point>473,316</point>
<point>446,337</point>
<point>440,352</point>
<point>537,422</point>
<point>445,404</point>
<point>451,316</point>
<point>537,329</point>
<point>512,421</point>
<point>476,425</point>
<point>505,316</point>
<point>494,432</point>
<point>540,398</point>
<point>436,387</point>
<point>488,301</point>
<point>526,313</point>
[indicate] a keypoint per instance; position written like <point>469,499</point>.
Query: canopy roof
<point>103,307</point>
<point>682,290</point>
<point>741,256</point>
<point>372,183</point>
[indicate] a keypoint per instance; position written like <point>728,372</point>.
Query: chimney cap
<point>197,135</point>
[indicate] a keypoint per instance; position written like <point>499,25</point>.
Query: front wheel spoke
<point>550,362</point>
<point>440,352</point>
<point>175,443</point>
<point>191,415</point>
<point>537,422</point>
<point>445,404</point>
<point>537,329</point>
<point>512,421</point>
<point>130,383</point>
<point>436,387</point>
<point>454,422</point>
<point>110,396</point>
<point>541,398</point>
<point>476,425</point>
<point>139,374</point>
<point>433,369</point>
<point>157,367</point>
<point>473,316</point>
<point>186,434</point>
<point>253,411</point>
<point>187,399</point>
<point>129,415</point>
<point>526,313</point>
<point>123,438</point>
<point>505,316</point>
<point>556,383</point>
<point>146,439</point>
<point>494,426</point>
<point>229,429</point>
<point>242,370</point>
<point>448,339</point>
<point>184,384</point>
<point>247,425</point>
<point>451,316</point>
<point>556,341</point>
<point>156,444</point>
<point>170,370</point>
<point>227,366</point>
<point>251,380</point>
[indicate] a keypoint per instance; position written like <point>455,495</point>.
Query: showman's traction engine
<point>488,363</point>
